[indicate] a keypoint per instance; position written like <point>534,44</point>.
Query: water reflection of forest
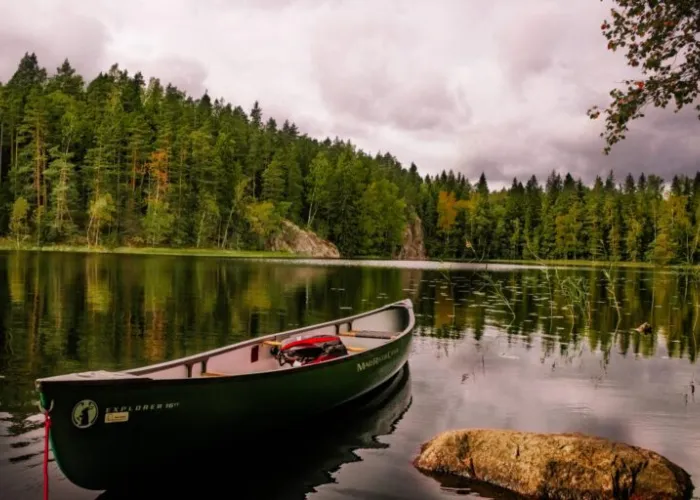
<point>65,312</point>
<point>570,308</point>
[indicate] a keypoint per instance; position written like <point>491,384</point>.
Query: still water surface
<point>511,347</point>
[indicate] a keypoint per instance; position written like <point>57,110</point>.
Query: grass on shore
<point>195,252</point>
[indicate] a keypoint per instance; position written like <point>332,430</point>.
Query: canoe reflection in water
<point>286,465</point>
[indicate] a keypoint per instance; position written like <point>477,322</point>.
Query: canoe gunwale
<point>140,374</point>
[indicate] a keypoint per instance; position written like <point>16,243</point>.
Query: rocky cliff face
<point>413,247</point>
<point>299,241</point>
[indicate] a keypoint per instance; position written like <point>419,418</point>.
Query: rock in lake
<point>644,328</point>
<point>555,466</point>
<point>293,239</point>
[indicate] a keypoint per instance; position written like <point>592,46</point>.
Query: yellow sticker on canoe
<point>112,417</point>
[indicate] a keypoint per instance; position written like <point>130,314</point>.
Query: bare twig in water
<point>611,289</point>
<point>549,281</point>
<point>576,290</point>
<point>498,290</point>
<point>614,301</point>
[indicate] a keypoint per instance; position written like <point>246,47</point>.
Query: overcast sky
<point>501,87</point>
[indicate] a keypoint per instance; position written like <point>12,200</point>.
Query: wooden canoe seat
<point>367,334</point>
<point>213,374</point>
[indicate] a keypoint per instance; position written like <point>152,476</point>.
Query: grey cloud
<point>556,69</point>
<point>186,74</point>
<point>663,143</point>
<point>271,4</point>
<point>61,32</point>
<point>362,74</point>
<point>306,122</point>
<point>493,168</point>
<point>69,35</point>
<point>427,106</point>
<point>346,129</point>
<point>528,44</point>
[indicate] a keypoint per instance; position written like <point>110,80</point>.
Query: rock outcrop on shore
<point>413,246</point>
<point>555,466</point>
<point>295,240</point>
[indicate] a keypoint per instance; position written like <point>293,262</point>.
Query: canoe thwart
<point>355,349</point>
<point>369,334</point>
<point>275,343</point>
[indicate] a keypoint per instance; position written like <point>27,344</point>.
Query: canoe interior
<point>359,333</point>
<point>257,358</point>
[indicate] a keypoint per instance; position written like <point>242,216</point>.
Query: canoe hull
<point>102,430</point>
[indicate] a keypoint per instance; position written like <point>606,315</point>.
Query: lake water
<point>503,347</point>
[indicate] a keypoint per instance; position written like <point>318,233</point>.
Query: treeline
<point>637,220</point>
<point>120,161</point>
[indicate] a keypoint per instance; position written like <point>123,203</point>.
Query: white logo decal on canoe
<point>376,360</point>
<point>141,408</point>
<point>84,413</point>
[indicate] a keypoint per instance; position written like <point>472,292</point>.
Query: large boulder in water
<point>555,466</point>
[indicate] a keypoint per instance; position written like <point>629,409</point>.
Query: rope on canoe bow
<point>47,432</point>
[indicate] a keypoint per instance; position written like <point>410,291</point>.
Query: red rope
<point>47,431</point>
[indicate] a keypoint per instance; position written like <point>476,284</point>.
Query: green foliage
<point>158,222</point>
<point>18,219</point>
<point>661,39</point>
<point>273,180</point>
<point>63,195</point>
<point>383,218</point>
<point>565,220</point>
<point>122,162</point>
<point>263,219</point>
<point>101,212</point>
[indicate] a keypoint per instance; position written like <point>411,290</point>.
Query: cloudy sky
<point>501,87</point>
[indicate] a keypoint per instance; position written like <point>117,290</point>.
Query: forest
<point>119,161</point>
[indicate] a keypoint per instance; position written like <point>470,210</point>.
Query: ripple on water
<point>474,362</point>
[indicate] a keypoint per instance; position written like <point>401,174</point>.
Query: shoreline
<point>164,251</point>
<point>6,246</point>
<point>596,264</point>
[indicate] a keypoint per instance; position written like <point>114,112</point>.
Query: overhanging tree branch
<point>663,40</point>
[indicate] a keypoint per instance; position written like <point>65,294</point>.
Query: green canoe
<point>106,425</point>
<point>288,466</point>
